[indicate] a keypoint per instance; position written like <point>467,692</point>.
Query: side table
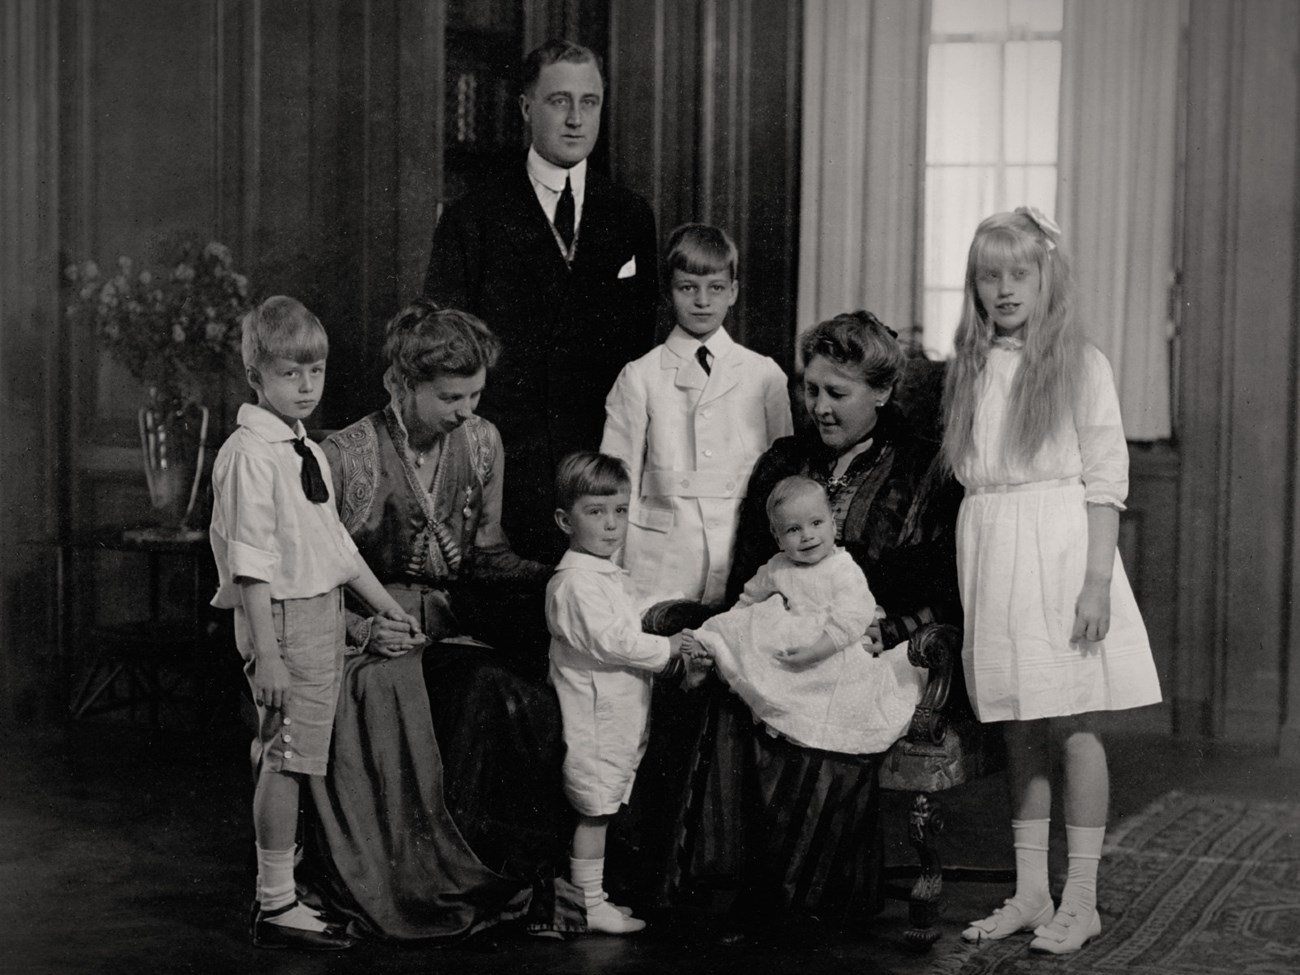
<point>161,665</point>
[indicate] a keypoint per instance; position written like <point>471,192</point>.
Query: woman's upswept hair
<point>1048,378</point>
<point>282,328</point>
<point>424,341</point>
<point>586,472</point>
<point>859,342</point>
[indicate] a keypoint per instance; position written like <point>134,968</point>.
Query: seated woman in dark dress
<point>798,827</point>
<point>441,812</point>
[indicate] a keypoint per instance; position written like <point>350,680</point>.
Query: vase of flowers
<point>176,332</point>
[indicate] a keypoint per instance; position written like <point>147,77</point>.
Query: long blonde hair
<point>1048,377</point>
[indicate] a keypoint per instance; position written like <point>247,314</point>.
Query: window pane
<point>1037,15</point>
<point>1033,88</point>
<point>956,200</point>
<point>963,103</point>
<point>942,311</point>
<point>968,16</point>
<point>1031,185</point>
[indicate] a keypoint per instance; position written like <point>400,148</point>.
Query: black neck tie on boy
<point>702,353</point>
<point>313,483</point>
<point>564,214</point>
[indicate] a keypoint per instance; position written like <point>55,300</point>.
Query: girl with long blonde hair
<point>1052,632</point>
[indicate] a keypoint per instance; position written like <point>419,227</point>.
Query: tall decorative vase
<point>173,438</point>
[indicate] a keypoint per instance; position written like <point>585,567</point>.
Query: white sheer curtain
<point>863,120</point>
<point>1116,192</point>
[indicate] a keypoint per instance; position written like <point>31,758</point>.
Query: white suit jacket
<point>690,440</point>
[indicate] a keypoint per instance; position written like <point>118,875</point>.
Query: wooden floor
<point>124,850</point>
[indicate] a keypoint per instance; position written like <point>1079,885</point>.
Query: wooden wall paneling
<point>421,35</point>
<point>704,123</point>
<point>768,121</point>
<point>382,201</point>
<point>1237,368</point>
<point>1263,332</point>
<point>1148,547</point>
<point>1205,365</point>
<point>30,359</point>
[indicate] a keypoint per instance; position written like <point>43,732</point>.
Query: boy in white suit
<point>602,667</point>
<point>689,419</point>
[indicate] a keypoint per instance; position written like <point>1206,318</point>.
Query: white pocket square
<point>628,270</point>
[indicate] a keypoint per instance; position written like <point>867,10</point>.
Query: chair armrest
<point>674,615</point>
<point>936,647</point>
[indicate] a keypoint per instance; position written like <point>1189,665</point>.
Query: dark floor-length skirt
<point>439,815</point>
<point>795,830</point>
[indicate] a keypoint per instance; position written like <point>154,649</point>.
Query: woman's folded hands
<point>393,633</point>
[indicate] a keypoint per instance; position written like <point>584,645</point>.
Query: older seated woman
<point>440,813</point>
<point>800,826</point>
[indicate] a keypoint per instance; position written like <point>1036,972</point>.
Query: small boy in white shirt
<point>602,667</point>
<point>282,559</point>
<point>690,418</point>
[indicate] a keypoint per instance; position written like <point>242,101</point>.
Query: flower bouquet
<point>175,332</point>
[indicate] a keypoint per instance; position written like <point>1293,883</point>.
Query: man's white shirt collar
<point>548,183</point>
<point>552,176</point>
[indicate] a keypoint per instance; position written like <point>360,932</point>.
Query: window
<point>992,109</point>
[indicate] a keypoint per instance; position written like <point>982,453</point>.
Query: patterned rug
<point>1193,885</point>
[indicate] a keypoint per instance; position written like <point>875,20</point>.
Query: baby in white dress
<point>792,646</point>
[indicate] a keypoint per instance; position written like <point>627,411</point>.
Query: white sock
<point>590,876</point>
<point>275,886</point>
<point>1083,845</point>
<point>1029,837</point>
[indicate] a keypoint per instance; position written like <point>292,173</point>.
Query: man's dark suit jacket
<point>566,330</point>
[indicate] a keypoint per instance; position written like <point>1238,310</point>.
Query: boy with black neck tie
<point>282,559</point>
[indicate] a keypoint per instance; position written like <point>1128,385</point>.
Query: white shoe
<point>605,918</point>
<point>1011,918</point>
<point>1069,930</point>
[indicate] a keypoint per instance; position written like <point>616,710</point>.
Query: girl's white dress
<point>850,702</point>
<point>1022,544</point>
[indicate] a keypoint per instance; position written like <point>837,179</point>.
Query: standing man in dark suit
<point>562,264</point>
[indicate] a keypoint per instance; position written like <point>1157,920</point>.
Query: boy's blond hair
<point>588,472</point>
<point>698,248</point>
<point>282,328</point>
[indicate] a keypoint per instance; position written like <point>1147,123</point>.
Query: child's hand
<point>393,633</point>
<point>271,682</point>
<point>1092,612</point>
<point>804,656</point>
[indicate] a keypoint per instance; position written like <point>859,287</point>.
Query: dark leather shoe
<point>268,934</point>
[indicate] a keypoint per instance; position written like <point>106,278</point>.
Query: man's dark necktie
<point>564,214</point>
<point>313,483</point>
<point>702,353</point>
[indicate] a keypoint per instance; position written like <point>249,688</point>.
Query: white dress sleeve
<point>759,588</point>
<point>852,605</point>
<point>1101,435</point>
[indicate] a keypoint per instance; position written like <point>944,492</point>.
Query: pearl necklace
<point>419,457</point>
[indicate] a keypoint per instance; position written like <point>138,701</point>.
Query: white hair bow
<point>1044,223</point>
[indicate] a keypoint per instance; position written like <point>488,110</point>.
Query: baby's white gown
<point>851,702</point>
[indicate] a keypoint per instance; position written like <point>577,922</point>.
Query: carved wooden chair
<point>945,745</point>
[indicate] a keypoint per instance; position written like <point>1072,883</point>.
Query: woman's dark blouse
<point>900,525</point>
